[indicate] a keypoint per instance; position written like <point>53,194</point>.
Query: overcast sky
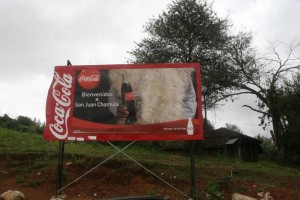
<point>37,35</point>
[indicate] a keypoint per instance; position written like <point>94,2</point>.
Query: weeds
<point>20,179</point>
<point>151,193</point>
<point>216,186</point>
<point>27,153</point>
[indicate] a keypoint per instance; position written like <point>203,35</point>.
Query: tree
<point>265,78</point>
<point>209,125</point>
<point>233,127</point>
<point>290,109</point>
<point>4,119</point>
<point>22,123</point>
<point>268,147</point>
<point>25,121</point>
<point>189,31</point>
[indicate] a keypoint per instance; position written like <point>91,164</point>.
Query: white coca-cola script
<point>92,78</point>
<point>61,94</point>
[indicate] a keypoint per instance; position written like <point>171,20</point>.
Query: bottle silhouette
<point>128,100</point>
<point>190,127</point>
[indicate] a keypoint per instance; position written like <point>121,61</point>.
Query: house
<point>235,144</point>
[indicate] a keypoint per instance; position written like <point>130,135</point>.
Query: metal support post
<point>60,167</point>
<point>60,161</point>
<point>192,148</point>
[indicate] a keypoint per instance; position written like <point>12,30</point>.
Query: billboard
<point>125,102</point>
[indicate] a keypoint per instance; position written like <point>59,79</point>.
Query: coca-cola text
<point>61,94</point>
<point>89,79</point>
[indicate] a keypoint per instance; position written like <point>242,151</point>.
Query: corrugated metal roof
<point>232,141</point>
<point>226,133</point>
<point>222,136</point>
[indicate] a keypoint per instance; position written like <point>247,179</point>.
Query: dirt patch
<point>282,193</point>
<point>115,179</point>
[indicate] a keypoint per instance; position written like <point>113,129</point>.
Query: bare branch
<point>258,94</point>
<point>230,95</point>
<point>259,111</point>
<point>283,63</point>
<point>290,68</point>
<point>271,60</point>
<point>249,76</point>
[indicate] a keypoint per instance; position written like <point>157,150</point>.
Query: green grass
<point>265,167</point>
<point>13,142</point>
<point>216,171</point>
<point>18,142</point>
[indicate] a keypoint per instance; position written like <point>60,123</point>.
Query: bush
<point>22,124</point>
<point>269,149</point>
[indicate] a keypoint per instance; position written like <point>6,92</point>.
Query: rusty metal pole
<point>192,148</point>
<point>60,161</point>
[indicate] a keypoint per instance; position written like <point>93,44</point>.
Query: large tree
<point>290,109</point>
<point>189,31</point>
<point>265,77</point>
<point>233,127</point>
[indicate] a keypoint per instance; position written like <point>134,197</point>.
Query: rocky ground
<point>116,179</point>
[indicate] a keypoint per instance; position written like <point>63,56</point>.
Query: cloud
<point>268,20</point>
<point>37,35</point>
<point>234,113</point>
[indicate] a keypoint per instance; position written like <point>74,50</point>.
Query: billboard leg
<point>192,148</point>
<point>60,160</point>
<point>60,167</point>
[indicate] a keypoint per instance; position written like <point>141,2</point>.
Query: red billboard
<point>125,102</point>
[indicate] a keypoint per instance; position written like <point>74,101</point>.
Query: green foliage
<point>169,166</point>
<point>22,123</point>
<point>269,149</point>
<point>20,179</point>
<point>16,141</point>
<point>208,125</point>
<point>189,31</point>
<point>290,109</point>
<point>233,127</point>
<point>265,79</point>
<point>181,33</point>
<point>215,187</point>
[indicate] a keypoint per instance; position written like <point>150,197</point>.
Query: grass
<point>217,171</point>
<point>265,167</point>
<point>12,142</point>
<point>17,142</point>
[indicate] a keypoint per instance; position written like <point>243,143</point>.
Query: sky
<point>37,35</point>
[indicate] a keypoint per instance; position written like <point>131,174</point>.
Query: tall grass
<point>12,142</point>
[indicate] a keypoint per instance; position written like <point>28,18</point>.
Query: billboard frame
<point>76,114</point>
<point>59,187</point>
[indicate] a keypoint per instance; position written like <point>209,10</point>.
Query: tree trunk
<point>277,133</point>
<point>281,155</point>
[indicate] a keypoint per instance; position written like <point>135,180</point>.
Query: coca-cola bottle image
<point>190,127</point>
<point>128,100</point>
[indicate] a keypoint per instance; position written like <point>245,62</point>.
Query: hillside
<point>29,164</point>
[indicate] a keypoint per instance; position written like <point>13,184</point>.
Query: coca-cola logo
<point>61,92</point>
<point>89,79</point>
<point>129,96</point>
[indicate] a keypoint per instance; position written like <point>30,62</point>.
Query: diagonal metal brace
<point>149,171</point>
<point>104,161</point>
